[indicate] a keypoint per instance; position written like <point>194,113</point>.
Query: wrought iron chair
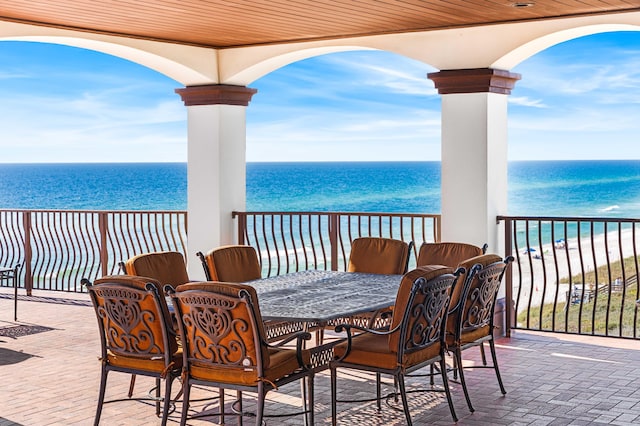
<point>448,253</point>
<point>375,255</point>
<point>471,318</point>
<point>414,340</point>
<point>239,264</point>
<point>232,264</point>
<point>168,267</point>
<point>379,256</point>
<point>225,345</point>
<point>136,334</point>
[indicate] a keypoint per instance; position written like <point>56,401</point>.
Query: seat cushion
<point>152,365</point>
<point>166,267</point>
<point>378,256</point>
<point>469,337</point>
<point>373,350</point>
<point>233,264</point>
<point>281,363</point>
<point>449,254</point>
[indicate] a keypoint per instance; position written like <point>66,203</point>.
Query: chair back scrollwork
<point>130,317</point>
<point>420,309</point>
<point>480,294</point>
<point>221,328</point>
<point>426,316</point>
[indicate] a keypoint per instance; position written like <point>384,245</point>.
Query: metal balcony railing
<point>58,248</point>
<point>570,275</point>
<point>294,241</point>
<point>573,274</point>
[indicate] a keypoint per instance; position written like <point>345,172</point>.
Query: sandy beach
<point>540,271</point>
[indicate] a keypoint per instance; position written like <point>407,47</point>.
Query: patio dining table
<point>313,298</point>
<point>320,296</point>
<point>302,300</point>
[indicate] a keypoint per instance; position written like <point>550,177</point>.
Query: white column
<point>216,176</point>
<point>474,154</point>
<point>474,168</point>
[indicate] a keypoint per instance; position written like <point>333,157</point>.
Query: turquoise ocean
<point>536,188</point>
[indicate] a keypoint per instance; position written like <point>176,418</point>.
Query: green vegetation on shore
<point>609,311</point>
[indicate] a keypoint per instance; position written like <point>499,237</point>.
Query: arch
<point>500,46</point>
<point>249,70</point>
<point>188,65</point>
<point>160,63</point>
<point>539,44</point>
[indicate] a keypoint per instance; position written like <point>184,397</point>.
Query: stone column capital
<point>477,80</point>
<point>216,94</point>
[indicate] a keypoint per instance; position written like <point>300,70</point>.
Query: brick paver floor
<point>49,375</point>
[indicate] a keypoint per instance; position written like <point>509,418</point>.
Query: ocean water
<point>541,188</point>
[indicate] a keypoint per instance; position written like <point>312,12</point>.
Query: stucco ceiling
<point>224,24</point>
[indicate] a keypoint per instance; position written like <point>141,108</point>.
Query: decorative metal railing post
<point>102,225</point>
<point>28,273</point>
<point>508,277</point>
<point>241,226</point>
<point>333,239</point>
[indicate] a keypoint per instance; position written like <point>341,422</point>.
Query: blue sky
<point>576,100</point>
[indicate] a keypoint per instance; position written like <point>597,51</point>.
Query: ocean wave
<point>611,208</point>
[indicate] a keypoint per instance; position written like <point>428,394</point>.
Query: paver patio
<point>49,374</point>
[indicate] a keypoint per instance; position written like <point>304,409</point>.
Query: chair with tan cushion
<point>451,254</point>
<point>414,340</point>
<point>448,253</point>
<point>168,267</point>
<point>225,344</point>
<point>239,264</point>
<point>232,264</point>
<point>471,316</point>
<point>136,333</point>
<point>376,255</point>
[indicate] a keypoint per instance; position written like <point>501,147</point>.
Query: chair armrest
<point>300,337</point>
<point>348,329</point>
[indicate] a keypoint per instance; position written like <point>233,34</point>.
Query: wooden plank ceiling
<point>228,23</point>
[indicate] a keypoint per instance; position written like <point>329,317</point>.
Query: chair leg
<point>304,397</point>
<point>221,400</point>
<point>484,357</point>
<point>311,400</point>
<point>495,366</point>
<point>395,389</point>
<point>132,383</point>
<point>447,390</point>
<point>333,396</point>
<point>158,397</point>
<point>186,387</point>
<point>378,393</point>
<point>103,387</point>
<point>240,416</point>
<point>167,399</point>
<point>405,402</point>
<point>431,373</point>
<point>458,355</point>
<point>455,367</point>
<point>260,404</point>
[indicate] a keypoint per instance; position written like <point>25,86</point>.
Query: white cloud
<point>526,101</point>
